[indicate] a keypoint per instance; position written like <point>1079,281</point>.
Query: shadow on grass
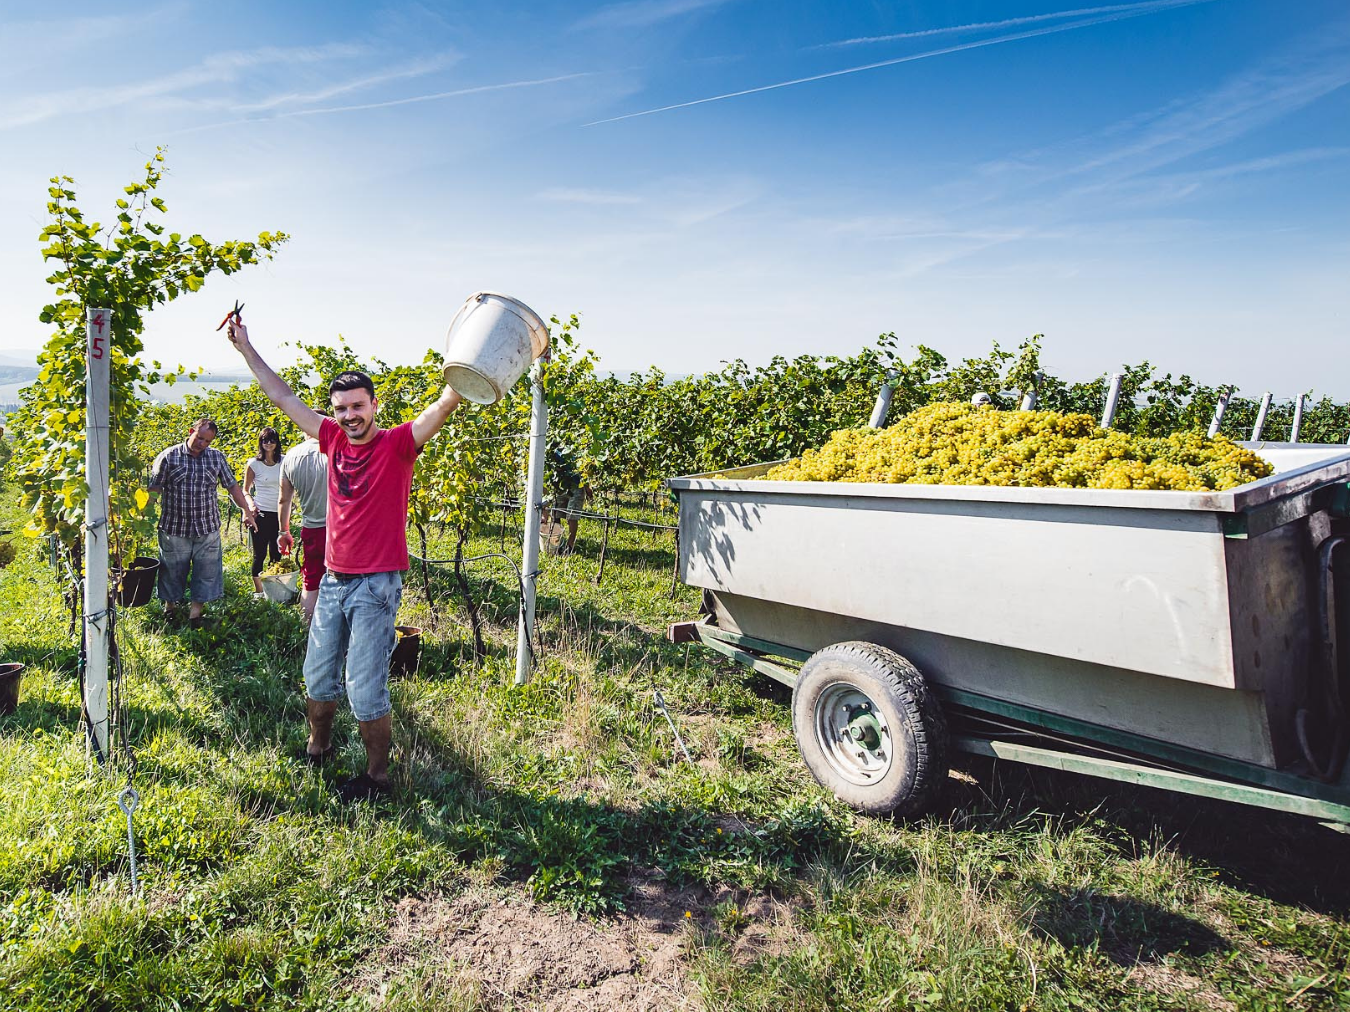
<point>1286,858</point>
<point>1126,930</point>
<point>569,851</point>
<point>581,854</point>
<point>47,714</point>
<point>440,660</point>
<point>62,661</point>
<point>616,641</point>
<point>654,558</point>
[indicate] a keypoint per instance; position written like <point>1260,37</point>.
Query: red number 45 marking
<point>96,342</point>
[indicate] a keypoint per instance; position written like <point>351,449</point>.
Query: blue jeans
<point>353,624</point>
<point>202,555</point>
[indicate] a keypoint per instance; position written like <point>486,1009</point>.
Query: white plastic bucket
<point>491,342</point>
<point>281,588</point>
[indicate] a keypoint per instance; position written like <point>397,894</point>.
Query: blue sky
<point>707,179</point>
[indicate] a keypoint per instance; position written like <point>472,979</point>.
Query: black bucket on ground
<point>407,651</point>
<point>10,675</point>
<point>138,582</point>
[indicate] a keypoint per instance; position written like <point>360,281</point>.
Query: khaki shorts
<point>573,501</point>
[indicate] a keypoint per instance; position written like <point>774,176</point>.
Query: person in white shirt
<point>304,471</point>
<point>262,492</point>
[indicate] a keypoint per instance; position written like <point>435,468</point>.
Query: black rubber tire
<point>913,719</point>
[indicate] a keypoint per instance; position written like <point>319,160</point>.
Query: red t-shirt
<point>368,488</point>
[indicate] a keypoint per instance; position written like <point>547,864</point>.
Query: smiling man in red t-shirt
<point>369,476</point>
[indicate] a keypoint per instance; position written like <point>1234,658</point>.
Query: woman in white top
<point>262,490</point>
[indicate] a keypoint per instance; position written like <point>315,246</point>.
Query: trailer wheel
<point>870,729</point>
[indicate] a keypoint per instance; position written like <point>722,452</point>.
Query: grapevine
<point>131,266</point>
<point>632,433</point>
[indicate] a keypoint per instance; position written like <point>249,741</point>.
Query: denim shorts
<point>353,625</point>
<point>201,555</point>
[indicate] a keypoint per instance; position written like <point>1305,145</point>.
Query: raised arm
<point>278,391</point>
<point>429,422</point>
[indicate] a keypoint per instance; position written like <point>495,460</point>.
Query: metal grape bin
<point>1185,640</point>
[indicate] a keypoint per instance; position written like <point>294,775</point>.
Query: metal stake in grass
<point>127,800</point>
<point>661,705</point>
<point>604,546</point>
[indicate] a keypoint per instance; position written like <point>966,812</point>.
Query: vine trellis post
<point>98,345</point>
<point>534,497</point>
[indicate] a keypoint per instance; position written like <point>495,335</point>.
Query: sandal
<point>362,788</point>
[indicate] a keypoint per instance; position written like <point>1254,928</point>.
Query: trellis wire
<point>531,634</point>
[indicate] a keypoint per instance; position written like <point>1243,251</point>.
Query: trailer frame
<point>1139,760</point>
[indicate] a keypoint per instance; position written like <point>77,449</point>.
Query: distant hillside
<point>19,357</point>
<point>206,383</point>
<point>12,377</point>
<point>18,373</point>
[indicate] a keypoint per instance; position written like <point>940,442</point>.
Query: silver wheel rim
<point>842,710</point>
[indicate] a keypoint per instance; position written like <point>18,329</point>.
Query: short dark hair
<point>204,423</point>
<point>352,379</point>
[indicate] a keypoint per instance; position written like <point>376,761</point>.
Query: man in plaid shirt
<point>186,476</point>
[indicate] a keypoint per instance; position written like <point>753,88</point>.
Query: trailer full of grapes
<point>1196,641</point>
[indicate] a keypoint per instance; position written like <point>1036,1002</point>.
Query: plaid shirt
<point>187,485</point>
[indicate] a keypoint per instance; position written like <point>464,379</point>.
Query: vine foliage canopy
<point>130,267</point>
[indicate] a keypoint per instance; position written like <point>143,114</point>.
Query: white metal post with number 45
<point>534,499</point>
<point>98,350</point>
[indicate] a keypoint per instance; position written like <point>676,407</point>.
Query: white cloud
<point>1244,102</point>
<point>26,46</point>
<point>675,203</point>
<point>416,68</point>
<point>1123,161</point>
<point>565,195</point>
<point>215,69</point>
<point>438,95</point>
<point>1169,188</point>
<point>1137,160</point>
<point>642,13</point>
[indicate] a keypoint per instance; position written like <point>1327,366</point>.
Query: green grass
<point>1028,890</point>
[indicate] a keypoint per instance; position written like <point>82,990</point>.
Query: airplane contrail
<point>1017,36</point>
<point>436,96</point>
<point>1142,7</point>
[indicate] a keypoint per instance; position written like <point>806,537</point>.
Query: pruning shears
<point>238,306</point>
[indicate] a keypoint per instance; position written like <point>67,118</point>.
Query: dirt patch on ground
<point>1279,963</point>
<point>770,930</point>
<point>1167,980</point>
<point>507,951</point>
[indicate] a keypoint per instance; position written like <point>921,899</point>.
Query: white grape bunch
<point>961,444</point>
